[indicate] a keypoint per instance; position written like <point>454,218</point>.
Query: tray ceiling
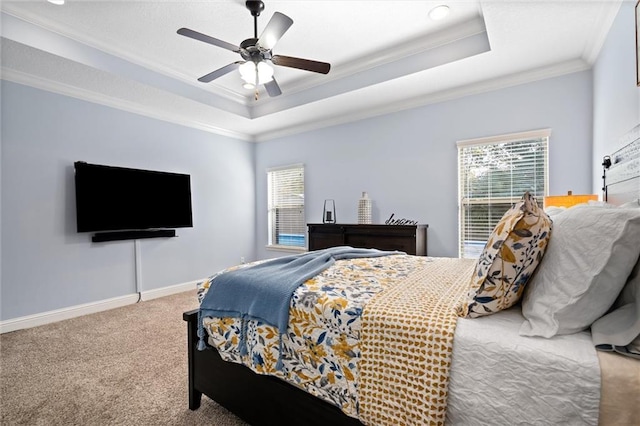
<point>385,55</point>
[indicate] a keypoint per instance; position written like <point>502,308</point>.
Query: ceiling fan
<point>256,53</point>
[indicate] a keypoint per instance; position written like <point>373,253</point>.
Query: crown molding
<point>293,89</point>
<point>35,36</point>
<point>556,70</point>
<point>102,99</point>
<point>60,30</point>
<point>609,11</point>
<point>415,46</point>
<point>464,46</point>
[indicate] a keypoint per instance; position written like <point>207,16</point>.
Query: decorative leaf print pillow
<point>508,260</point>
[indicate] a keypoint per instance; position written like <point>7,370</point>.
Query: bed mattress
<point>497,375</point>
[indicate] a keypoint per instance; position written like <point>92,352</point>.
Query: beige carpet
<point>126,366</point>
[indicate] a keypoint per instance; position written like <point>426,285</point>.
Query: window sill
<point>290,249</point>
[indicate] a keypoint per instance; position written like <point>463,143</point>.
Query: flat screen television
<point>117,199</point>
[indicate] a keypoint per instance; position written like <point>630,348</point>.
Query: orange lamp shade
<point>568,200</point>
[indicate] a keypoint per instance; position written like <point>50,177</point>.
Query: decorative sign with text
<point>392,221</point>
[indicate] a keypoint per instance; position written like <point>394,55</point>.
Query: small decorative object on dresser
<point>411,239</point>
<point>364,209</point>
<point>329,212</point>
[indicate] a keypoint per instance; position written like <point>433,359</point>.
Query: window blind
<point>494,173</point>
<point>286,220</point>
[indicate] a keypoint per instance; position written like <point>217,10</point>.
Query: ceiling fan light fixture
<point>256,67</point>
<point>249,86</point>
<point>439,12</point>
<point>256,74</point>
<point>265,72</point>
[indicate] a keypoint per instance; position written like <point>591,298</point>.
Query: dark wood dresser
<point>411,239</point>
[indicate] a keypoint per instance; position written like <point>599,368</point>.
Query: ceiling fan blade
<point>272,88</point>
<point>277,26</point>
<point>303,64</point>
<point>208,39</point>
<point>220,72</point>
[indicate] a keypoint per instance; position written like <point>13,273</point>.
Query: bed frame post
<point>191,318</point>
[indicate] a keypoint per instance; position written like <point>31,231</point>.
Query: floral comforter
<point>321,349</point>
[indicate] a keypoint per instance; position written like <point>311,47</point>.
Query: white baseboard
<point>91,308</point>
<point>168,291</point>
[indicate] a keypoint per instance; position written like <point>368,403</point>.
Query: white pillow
<point>631,204</point>
<point>552,211</point>
<point>591,253</point>
<point>628,205</point>
<point>621,326</point>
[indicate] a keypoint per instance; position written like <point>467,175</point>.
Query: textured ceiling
<point>385,55</point>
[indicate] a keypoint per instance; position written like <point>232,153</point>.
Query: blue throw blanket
<point>263,292</point>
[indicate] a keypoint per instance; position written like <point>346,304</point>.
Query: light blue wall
<point>616,96</point>
<point>407,161</point>
<point>46,264</point>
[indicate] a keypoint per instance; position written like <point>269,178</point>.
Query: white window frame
<point>463,186</point>
<point>273,207</point>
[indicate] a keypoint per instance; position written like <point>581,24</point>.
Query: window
<point>493,173</point>
<point>287,227</point>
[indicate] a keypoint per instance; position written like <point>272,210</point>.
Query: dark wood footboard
<point>257,399</point>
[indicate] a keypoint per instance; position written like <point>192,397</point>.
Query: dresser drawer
<point>411,239</point>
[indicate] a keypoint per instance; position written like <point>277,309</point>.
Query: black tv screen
<point>117,198</point>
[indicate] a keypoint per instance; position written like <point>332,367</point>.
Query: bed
<point>498,361</point>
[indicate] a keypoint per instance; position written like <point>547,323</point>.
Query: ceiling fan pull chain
<point>256,83</point>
